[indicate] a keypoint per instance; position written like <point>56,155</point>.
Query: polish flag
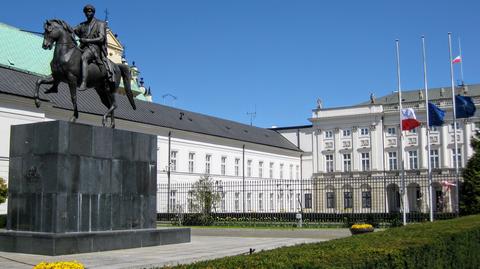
<point>409,121</point>
<point>448,185</point>
<point>457,59</point>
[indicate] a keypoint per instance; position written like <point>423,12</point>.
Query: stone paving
<point>206,244</point>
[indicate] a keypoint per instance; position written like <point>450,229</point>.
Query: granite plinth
<point>69,180</point>
<point>67,177</point>
<point>70,243</point>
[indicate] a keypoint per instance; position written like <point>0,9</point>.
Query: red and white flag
<point>457,59</point>
<point>448,185</point>
<point>409,121</point>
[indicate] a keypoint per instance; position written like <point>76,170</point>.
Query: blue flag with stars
<point>464,106</point>
<point>435,115</point>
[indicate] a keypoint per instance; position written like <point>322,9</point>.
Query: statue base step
<point>53,244</point>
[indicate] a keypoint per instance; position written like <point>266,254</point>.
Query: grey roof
<point>23,84</point>
<point>433,94</point>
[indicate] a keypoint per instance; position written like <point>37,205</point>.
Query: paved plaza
<point>206,244</point>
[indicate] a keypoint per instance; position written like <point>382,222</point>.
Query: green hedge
<point>442,244</point>
<point>3,221</point>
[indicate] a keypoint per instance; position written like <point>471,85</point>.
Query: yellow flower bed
<point>362,226</point>
<point>59,265</point>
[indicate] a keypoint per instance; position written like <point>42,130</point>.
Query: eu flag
<point>465,107</point>
<point>435,115</point>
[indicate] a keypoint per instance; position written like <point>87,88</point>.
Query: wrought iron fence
<point>320,200</point>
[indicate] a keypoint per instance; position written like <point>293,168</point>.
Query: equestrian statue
<point>86,66</point>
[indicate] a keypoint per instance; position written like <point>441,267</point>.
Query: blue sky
<point>225,58</point>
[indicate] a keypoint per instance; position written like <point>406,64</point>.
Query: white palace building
<point>348,144</point>
<point>254,169</point>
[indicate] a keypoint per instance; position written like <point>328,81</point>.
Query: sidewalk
<point>202,247</point>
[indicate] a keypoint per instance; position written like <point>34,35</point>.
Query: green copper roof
<point>23,50</point>
<point>141,97</point>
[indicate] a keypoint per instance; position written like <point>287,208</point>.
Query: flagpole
<point>455,154</point>
<point>430,192</point>
<point>402,171</point>
<point>461,60</point>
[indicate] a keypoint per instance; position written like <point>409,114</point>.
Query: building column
<point>422,146</point>
<point>374,148</point>
<point>444,138</point>
<point>319,147</point>
<point>467,136</point>
<point>337,156</point>
<point>355,154</point>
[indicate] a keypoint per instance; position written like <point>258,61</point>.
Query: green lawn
<point>443,244</point>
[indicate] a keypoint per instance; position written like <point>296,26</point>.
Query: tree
<point>470,189</point>
<point>3,191</point>
<point>204,195</point>
<point>203,198</point>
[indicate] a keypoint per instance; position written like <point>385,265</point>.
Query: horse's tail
<point>125,71</point>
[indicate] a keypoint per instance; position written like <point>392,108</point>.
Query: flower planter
<point>355,231</point>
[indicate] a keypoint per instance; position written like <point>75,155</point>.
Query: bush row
<point>442,244</point>
<point>310,220</point>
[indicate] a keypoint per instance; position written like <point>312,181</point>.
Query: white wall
<point>9,117</point>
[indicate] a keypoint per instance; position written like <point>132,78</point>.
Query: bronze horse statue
<point>67,67</point>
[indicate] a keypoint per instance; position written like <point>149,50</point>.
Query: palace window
<point>173,160</point>
<point>249,168</point>
<point>434,159</point>
<point>365,161</point>
<point>329,163</point>
<point>260,169</point>
<point>346,133</point>
<point>260,202</point>
<point>413,159</point>
<point>330,199</point>
<point>366,199</point>
<point>347,162</point>
<point>191,162</point>
<point>237,201</point>
<point>457,157</point>
<point>391,131</point>
<point>364,131</point>
<point>328,134</point>
<point>208,159</point>
<point>270,170</point>
<point>237,167</point>
<point>308,200</point>
<point>223,165</point>
<point>392,160</point>
<point>348,199</point>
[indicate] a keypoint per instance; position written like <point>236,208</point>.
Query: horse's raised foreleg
<point>73,94</point>
<point>47,80</point>
<point>54,88</point>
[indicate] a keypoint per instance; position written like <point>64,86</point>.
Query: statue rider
<point>93,42</point>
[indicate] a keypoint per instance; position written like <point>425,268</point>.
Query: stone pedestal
<point>77,188</point>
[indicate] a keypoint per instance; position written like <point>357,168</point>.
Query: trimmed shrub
<point>197,220</point>
<point>442,244</point>
<point>3,221</point>
<point>3,191</point>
